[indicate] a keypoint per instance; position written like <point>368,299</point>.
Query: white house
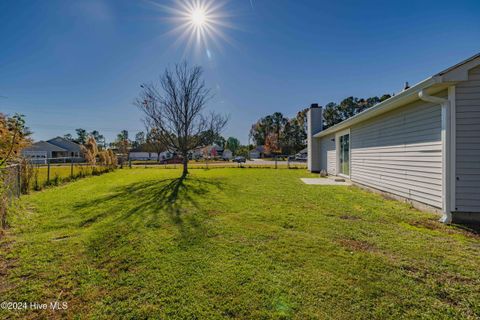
<point>139,155</point>
<point>258,152</point>
<point>227,154</point>
<point>56,149</point>
<point>421,145</point>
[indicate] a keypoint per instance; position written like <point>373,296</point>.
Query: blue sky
<point>71,64</point>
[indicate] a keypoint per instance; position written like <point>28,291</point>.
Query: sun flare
<point>198,17</point>
<point>199,24</point>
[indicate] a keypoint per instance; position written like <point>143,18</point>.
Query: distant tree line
<point>334,113</point>
<point>82,137</point>
<point>282,135</point>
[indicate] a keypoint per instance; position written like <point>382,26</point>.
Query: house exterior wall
<point>142,156</point>
<point>42,148</point>
<point>467,152</point>
<point>399,152</point>
<point>328,154</point>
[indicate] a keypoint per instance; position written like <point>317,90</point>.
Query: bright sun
<point>200,24</point>
<point>198,17</point>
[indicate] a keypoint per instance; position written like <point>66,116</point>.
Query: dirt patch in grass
<point>357,245</point>
<point>348,217</point>
<point>472,230</point>
<point>438,226</point>
<point>427,224</point>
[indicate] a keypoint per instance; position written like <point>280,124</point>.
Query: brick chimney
<point>314,125</point>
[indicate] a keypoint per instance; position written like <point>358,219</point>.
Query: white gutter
<point>426,97</point>
<point>446,146</point>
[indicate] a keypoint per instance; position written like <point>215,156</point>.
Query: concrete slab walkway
<point>325,181</point>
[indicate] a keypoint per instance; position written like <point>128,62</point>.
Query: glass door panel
<point>345,154</point>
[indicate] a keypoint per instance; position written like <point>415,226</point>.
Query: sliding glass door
<point>344,154</point>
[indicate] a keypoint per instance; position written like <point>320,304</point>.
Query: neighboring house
<point>210,152</point>
<point>421,145</point>
<point>257,153</point>
<point>73,149</point>
<point>142,155</point>
<point>138,154</point>
<point>57,148</point>
<point>227,154</point>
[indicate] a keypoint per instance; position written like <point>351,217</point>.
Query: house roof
<point>260,149</point>
<point>433,84</point>
<point>44,146</point>
<point>65,144</point>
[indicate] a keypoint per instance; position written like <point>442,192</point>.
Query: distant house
<point>227,154</point>
<point>258,152</point>
<point>57,148</point>
<point>140,154</point>
<point>209,152</point>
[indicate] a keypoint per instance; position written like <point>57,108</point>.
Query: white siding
<point>401,153</point>
<point>328,154</point>
<point>468,143</point>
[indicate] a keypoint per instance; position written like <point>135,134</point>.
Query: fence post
<point>71,168</point>
<point>48,171</point>
<point>276,162</point>
<point>19,179</point>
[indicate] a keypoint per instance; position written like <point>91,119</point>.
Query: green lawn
<point>233,243</point>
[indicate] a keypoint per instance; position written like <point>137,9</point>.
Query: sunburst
<point>198,24</point>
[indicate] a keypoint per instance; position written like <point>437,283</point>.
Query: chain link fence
<point>21,178</point>
<point>10,189</point>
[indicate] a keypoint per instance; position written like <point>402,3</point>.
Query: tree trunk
<point>185,165</point>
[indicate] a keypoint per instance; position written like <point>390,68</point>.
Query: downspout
<point>445,103</point>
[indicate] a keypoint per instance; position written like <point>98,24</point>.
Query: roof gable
<point>43,146</point>
<point>65,144</point>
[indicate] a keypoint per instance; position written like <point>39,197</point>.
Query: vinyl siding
<point>401,153</point>
<point>328,156</point>
<point>467,191</point>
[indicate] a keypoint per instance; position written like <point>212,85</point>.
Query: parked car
<point>301,158</point>
<point>239,159</point>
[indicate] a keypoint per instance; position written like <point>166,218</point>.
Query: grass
<point>61,173</point>
<point>233,243</point>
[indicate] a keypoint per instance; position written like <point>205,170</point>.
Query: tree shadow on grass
<point>145,203</point>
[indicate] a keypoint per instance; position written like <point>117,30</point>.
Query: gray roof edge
<point>51,145</point>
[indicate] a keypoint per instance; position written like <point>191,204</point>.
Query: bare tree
<point>176,109</point>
